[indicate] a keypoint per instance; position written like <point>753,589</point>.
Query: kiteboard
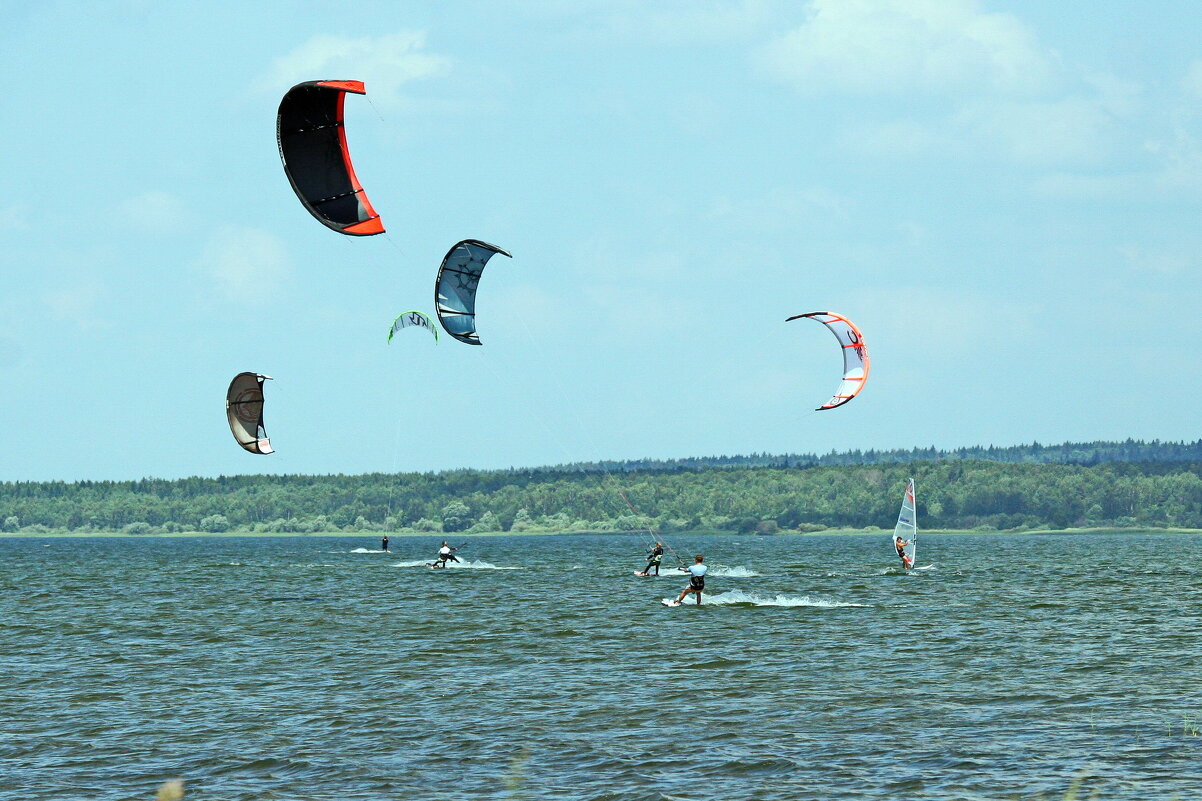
<point>670,602</point>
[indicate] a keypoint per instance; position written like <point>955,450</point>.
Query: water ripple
<point>299,668</point>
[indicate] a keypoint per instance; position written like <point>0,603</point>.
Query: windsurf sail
<point>411,319</point>
<point>312,140</point>
<point>455,287</point>
<point>244,409</point>
<point>855,355</point>
<point>907,526</point>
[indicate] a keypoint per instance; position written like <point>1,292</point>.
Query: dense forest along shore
<point>726,496</point>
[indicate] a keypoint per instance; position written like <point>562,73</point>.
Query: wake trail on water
<point>740,598</point>
<point>901,571</point>
<point>738,571</point>
<point>725,572</point>
<point>367,550</point>
<point>476,565</point>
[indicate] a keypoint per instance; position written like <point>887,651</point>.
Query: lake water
<point>295,668</point>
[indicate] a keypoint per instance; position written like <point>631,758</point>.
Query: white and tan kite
<point>855,355</point>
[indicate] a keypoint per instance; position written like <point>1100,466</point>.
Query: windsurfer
<point>900,544</point>
<point>654,555</point>
<point>696,572</point>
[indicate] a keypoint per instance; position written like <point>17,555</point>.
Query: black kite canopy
<point>312,142</point>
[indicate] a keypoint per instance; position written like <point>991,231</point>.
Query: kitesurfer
<point>445,554</point>
<point>900,544</point>
<point>696,572</point>
<point>654,555</point>
<point>384,543</point>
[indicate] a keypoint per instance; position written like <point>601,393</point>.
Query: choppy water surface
<point>299,669</point>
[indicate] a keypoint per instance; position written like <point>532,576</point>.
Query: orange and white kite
<point>855,355</point>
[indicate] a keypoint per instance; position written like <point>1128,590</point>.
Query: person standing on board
<point>697,573</point>
<point>384,543</point>
<point>654,555</point>
<point>900,544</point>
<point>444,553</point>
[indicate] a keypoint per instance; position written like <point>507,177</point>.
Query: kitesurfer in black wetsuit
<point>654,555</point>
<point>696,573</point>
<point>444,554</point>
<point>384,543</point>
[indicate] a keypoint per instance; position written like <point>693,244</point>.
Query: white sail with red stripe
<point>855,355</point>
<point>906,530</point>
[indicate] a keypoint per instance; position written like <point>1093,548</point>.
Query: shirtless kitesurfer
<point>697,573</point>
<point>900,544</point>
<point>444,554</point>
<point>654,555</point>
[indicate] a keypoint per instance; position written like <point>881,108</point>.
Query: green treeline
<point>1131,450</point>
<point>957,494</point>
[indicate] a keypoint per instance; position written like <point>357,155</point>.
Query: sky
<point>1005,196</point>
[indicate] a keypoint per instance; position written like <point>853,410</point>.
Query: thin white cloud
<point>900,138</point>
<point>951,80</point>
<point>636,317</point>
<point>1161,261</point>
<point>530,311</point>
<point>884,46</point>
<point>76,302</point>
<point>10,353</point>
<point>249,265</point>
<point>13,218</point>
<point>1065,130</point>
<point>779,208</point>
<point>1193,79</point>
<point>1067,185</point>
<point>606,305</point>
<point>681,22</point>
<point>1175,173</point>
<point>383,63</point>
<point>1180,157</point>
<point>950,321</point>
<point>1062,132</point>
<point>155,211</point>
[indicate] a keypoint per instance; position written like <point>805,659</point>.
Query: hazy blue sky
<point>1005,196</point>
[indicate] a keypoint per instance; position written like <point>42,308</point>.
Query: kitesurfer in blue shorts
<point>697,573</point>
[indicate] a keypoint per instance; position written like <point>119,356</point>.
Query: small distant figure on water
<point>900,544</point>
<point>654,554</point>
<point>697,572</point>
<point>444,555</point>
<point>384,543</point>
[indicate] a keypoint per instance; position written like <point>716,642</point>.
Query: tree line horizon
<point>1132,484</point>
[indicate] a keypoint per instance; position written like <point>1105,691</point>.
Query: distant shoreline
<point>367,535</point>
